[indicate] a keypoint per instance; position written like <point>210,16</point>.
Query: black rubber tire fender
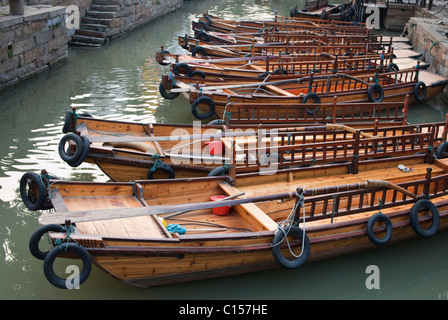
<point>392,67</point>
<point>56,252</point>
<point>182,69</point>
<point>84,153</point>
<point>198,74</point>
<point>209,20</point>
<point>32,204</point>
<point>167,95</point>
<point>420,96</point>
<point>68,156</point>
<point>162,63</point>
<point>219,171</point>
<point>198,51</point>
<point>68,127</point>
<point>441,150</point>
<point>280,71</point>
<point>276,248</point>
<point>389,229</point>
<point>413,218</point>
<point>315,97</point>
<point>203,99</point>
<point>370,91</point>
<point>163,167</point>
<point>203,36</point>
<point>216,122</point>
<point>37,235</point>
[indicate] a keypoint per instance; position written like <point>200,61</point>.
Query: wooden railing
<point>289,66</point>
<point>246,113</point>
<point>337,49</point>
<point>322,203</point>
<point>288,149</point>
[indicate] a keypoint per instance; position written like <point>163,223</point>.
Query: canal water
<point>120,81</point>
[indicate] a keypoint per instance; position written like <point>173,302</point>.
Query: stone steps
<point>101,21</point>
<point>107,2</point>
<point>92,33</point>
<point>107,8</point>
<point>94,27</point>
<point>79,39</point>
<point>102,14</point>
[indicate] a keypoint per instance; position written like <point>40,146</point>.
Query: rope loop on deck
<point>157,162</point>
<point>290,226</point>
<point>45,179</point>
<point>285,225</point>
<point>68,229</point>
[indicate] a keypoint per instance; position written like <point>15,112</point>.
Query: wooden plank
<point>280,91</point>
<point>401,45</point>
<point>429,78</point>
<point>406,63</point>
<point>250,212</point>
<point>406,53</point>
<point>395,39</point>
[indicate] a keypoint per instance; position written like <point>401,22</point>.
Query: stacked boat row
<point>278,181</point>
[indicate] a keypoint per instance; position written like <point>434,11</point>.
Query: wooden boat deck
<point>392,174</point>
<point>135,227</point>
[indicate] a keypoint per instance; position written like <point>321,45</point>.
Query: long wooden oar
<point>354,186</point>
<point>120,213</point>
<point>331,126</point>
<point>220,134</point>
<point>389,185</point>
<point>223,199</point>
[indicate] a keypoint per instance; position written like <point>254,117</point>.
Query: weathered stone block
<point>7,37</point>
<point>33,55</point>
<point>10,21</point>
<point>3,53</point>
<point>56,43</point>
<point>9,64</point>
<point>43,36</point>
<point>22,46</point>
<point>33,27</point>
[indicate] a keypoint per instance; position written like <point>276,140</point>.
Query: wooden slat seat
<point>280,91</point>
<point>250,213</point>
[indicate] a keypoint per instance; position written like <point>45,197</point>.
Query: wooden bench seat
<point>250,213</point>
<point>280,91</point>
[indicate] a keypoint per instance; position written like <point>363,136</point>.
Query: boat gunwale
<point>148,251</point>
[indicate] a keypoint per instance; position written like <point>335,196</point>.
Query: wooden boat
<point>127,151</point>
<point>203,37</point>
<point>421,85</point>
<point>318,9</point>
<point>270,69</point>
<point>241,50</point>
<point>352,114</point>
<point>316,213</point>
<point>292,64</point>
<point>210,22</point>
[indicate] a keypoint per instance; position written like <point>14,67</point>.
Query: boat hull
<point>144,264</point>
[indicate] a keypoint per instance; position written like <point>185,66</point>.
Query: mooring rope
<point>289,221</point>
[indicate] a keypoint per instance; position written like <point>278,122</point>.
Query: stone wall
<point>428,37</point>
<point>38,40</point>
<point>31,44</point>
<point>134,13</point>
